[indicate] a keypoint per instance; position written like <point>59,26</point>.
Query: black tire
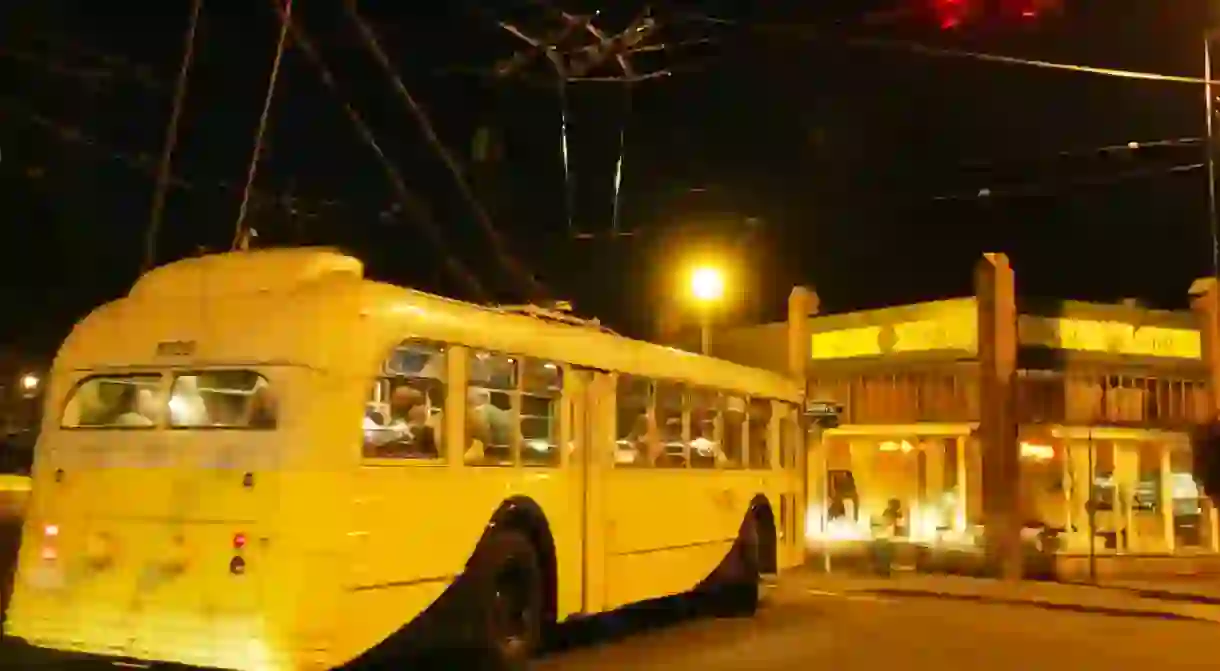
<point>740,597</point>
<point>509,596</point>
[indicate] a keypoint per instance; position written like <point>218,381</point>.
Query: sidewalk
<point>1119,600</point>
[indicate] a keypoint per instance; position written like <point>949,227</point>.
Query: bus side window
<point>492,409</point>
<point>635,434</point>
<point>668,408</point>
<point>404,414</point>
<point>733,425</point>
<point>705,448</point>
<point>758,427</point>
<point>541,392</point>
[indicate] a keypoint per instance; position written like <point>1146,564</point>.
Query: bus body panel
<point>341,551</point>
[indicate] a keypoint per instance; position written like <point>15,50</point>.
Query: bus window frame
<point>172,376</point>
<point>454,359</point>
<point>162,386</point>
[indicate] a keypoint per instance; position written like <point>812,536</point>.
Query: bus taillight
<point>239,541</point>
<point>49,553</point>
<point>51,530</point>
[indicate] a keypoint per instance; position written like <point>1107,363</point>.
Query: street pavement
<point>908,623</point>
<point>806,625</point>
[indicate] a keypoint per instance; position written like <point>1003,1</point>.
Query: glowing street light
<point>29,382</point>
<point>707,284</point>
<point>707,287</point>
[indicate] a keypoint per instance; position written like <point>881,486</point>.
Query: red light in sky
<point>951,13</point>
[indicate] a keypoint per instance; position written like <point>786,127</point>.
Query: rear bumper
<point>17,654</point>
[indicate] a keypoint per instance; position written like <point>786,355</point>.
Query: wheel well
<point>764,521</point>
<point>524,516</point>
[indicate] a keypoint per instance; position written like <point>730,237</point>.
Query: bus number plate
<point>176,348</point>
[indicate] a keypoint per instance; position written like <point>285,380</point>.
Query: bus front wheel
<point>738,595</point>
<point>509,600</point>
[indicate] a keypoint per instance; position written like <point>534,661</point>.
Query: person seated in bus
<point>489,429</point>
<point>409,421</point>
<point>673,454</point>
<point>734,418</point>
<point>128,407</point>
<point>186,406</point>
<point>261,408</point>
<point>705,450</point>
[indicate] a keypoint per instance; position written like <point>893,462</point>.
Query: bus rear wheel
<point>509,600</point>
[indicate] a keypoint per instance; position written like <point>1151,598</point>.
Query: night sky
<point>795,155</point>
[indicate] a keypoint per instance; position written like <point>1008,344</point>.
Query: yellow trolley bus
<point>263,460</point>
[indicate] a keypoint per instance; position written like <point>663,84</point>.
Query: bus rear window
<point>221,399</point>
<point>114,402</point>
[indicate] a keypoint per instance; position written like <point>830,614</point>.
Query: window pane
<point>541,382</point>
<point>704,433</point>
<point>492,371</point>
<point>543,378</point>
<point>635,435</point>
<point>669,403</point>
<point>759,433</point>
<point>491,415</point>
<point>405,413</point>
<point>222,399</point>
<point>733,420</point>
<point>115,401</point>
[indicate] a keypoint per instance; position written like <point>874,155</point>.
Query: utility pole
<point>1210,110</point>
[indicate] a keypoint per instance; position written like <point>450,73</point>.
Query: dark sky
<point>804,160</point>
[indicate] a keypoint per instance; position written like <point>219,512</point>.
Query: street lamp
<point>707,287</point>
<point>29,382</point>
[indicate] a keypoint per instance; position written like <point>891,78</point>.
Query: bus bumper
<point>17,654</point>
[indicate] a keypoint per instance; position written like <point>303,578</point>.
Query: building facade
<point>1065,420</point>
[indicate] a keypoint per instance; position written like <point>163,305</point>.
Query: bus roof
<point>313,307</point>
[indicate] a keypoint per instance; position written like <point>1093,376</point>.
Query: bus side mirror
<point>1205,457</point>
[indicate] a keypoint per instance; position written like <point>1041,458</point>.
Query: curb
<point>1045,604</point>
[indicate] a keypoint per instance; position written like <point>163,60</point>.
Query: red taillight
<point>51,530</point>
<point>49,553</point>
<point>239,541</point>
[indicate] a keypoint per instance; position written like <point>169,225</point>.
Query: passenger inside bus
<point>409,431</point>
<point>489,428</point>
<point>135,407</point>
<point>638,447</point>
<point>705,450</point>
<point>186,406</point>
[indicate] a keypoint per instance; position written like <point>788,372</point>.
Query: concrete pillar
<point>961,501</point>
<point>974,476</point>
<point>1065,486</point>
<point>1211,524</point>
<point>1082,475</point>
<point>1165,499</point>
<point>802,303</point>
<point>995,289</point>
<point>1126,478</point>
<point>933,495</point>
<point>1205,303</point>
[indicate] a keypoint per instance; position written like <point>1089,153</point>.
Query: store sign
<point>1109,337</point>
<point>943,326</point>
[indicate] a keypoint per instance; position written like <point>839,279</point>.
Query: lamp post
<point>707,288</point>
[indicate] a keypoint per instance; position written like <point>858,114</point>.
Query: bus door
<point>593,451</point>
<point>793,499</point>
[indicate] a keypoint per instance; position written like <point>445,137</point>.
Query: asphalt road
<point>800,628</point>
<point>803,628</point>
